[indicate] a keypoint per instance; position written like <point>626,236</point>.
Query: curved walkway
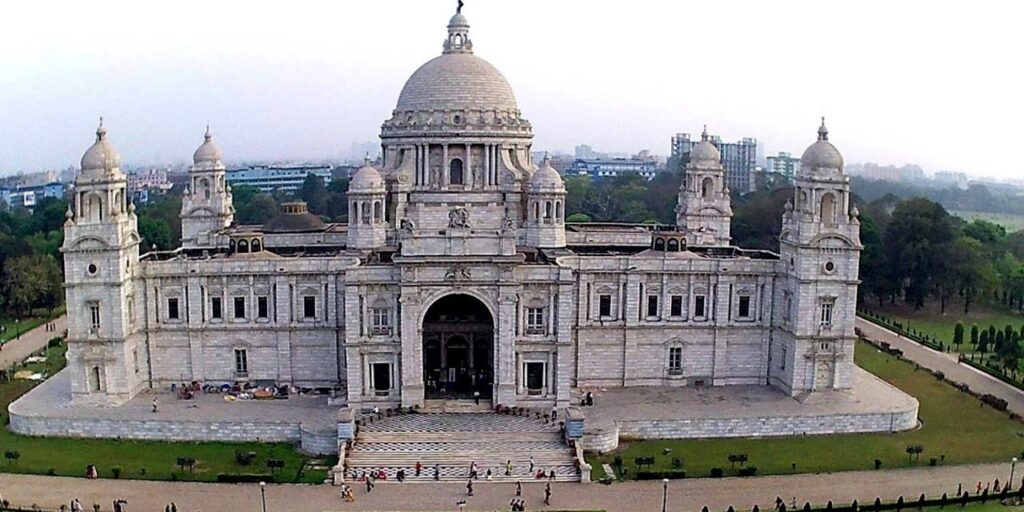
<point>16,350</point>
<point>946,363</point>
<point>683,495</point>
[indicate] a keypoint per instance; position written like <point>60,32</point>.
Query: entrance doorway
<point>458,349</point>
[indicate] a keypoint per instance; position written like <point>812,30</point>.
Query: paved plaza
<point>683,495</point>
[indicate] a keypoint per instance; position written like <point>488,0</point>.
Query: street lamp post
<point>263,495</point>
<point>1013,465</point>
<point>664,494</point>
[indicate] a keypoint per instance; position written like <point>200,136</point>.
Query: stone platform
<point>873,405</point>
<point>308,421</point>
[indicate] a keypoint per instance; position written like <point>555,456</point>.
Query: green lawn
<point>1008,220</point>
<point>930,321</point>
<point>955,426</point>
<point>9,328</point>
<point>138,459</point>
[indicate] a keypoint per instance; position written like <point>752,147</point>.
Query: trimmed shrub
<point>717,473</point>
<point>747,471</point>
<point>671,474</point>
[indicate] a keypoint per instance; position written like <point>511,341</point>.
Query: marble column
<point>412,350</point>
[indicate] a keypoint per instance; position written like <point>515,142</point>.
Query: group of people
<point>474,471</point>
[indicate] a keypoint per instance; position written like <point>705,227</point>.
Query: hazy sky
<point>935,83</point>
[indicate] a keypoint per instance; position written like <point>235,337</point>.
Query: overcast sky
<point>934,83</point>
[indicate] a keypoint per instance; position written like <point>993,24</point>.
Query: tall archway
<point>458,349</point>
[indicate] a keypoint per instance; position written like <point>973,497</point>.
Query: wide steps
<point>452,441</point>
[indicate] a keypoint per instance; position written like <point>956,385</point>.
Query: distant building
<point>598,168</point>
<point>956,179</point>
<point>584,151</point>
<point>269,178</point>
<point>343,172</point>
<point>28,196</point>
<point>32,179</point>
<point>738,158</point>
<point>872,171</point>
<point>783,164</point>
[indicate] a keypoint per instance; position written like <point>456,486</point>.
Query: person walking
<point>531,464</point>
<point>519,489</point>
<point>76,506</point>
<point>469,488</point>
<point>508,467</point>
<point>554,414</point>
<point>437,472</point>
<point>369,485</point>
<point>174,508</point>
<point>547,494</point>
<point>461,505</point>
<point>156,405</point>
<point>419,467</point>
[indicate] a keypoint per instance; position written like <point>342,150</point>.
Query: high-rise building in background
<point>598,168</point>
<point>269,178</point>
<point>783,164</point>
<point>738,158</point>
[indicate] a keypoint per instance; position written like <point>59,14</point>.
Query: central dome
<point>457,81</point>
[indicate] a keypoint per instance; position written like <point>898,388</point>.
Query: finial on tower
<point>822,130</point>
<point>207,136</point>
<point>100,130</point>
<point>704,134</point>
<point>458,10</point>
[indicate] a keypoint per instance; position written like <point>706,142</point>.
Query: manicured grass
<point>1008,220</point>
<point>930,321</point>
<point>955,426</point>
<point>11,328</point>
<point>138,459</point>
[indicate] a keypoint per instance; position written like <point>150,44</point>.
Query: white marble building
<point>457,275</point>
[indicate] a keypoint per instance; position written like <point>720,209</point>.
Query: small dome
<point>366,179</point>
<point>822,154</point>
<point>704,151</point>
<point>293,218</point>
<point>458,21</point>
<point>546,178</point>
<point>101,158</point>
<point>208,153</point>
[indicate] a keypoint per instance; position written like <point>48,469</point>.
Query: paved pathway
<point>16,350</point>
<point>683,495</point>
<point>946,363</point>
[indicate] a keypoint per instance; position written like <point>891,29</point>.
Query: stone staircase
<point>453,441</point>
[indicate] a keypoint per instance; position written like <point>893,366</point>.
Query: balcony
<point>536,331</point>
<point>381,330</point>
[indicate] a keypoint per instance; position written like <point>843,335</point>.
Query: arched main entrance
<point>458,349</point>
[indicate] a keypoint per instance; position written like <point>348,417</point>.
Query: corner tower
<point>101,254</point>
<point>703,212</point>
<point>206,206</point>
<point>820,253</point>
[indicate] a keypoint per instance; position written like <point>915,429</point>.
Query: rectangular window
<point>785,355</point>
<point>172,308</point>
<point>534,320</point>
<point>698,306</point>
<point>135,360</point>
<point>94,317</point>
<point>826,314</point>
<point>675,360</point>
<point>606,305</point>
<point>677,305</point>
<point>309,307</point>
<point>652,305</point>
<point>744,306</point>
<point>241,363</point>
<point>535,378</point>
<point>262,308</point>
<point>381,321</point>
<point>381,377</point>
<point>215,309</point>
<point>239,307</point>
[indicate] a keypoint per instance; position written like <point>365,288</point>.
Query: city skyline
<point>280,85</point>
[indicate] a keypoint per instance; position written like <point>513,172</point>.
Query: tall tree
<point>958,335</point>
<point>918,229</point>
<point>314,193</point>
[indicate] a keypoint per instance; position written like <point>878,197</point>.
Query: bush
<point>116,471</point>
<point>878,463</point>
<point>717,473</point>
<point>747,471</point>
<point>244,478</point>
<point>671,474</point>
<point>677,463</point>
<point>55,342</point>
<point>997,403</point>
<point>244,458</point>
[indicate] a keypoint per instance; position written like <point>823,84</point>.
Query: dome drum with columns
<point>456,275</point>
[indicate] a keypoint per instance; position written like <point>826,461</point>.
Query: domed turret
<point>821,155</point>
<point>704,152</point>
<point>208,153</point>
<point>101,159</point>
<point>367,178</point>
<point>546,179</point>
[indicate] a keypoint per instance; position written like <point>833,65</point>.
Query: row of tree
<point>31,276</point>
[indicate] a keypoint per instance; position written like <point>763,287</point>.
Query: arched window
<point>243,246</point>
<point>231,246</point>
<point>255,245</point>
<point>455,176</point>
<point>95,207</point>
<point>548,211</point>
<point>353,212</point>
<point>378,212</point>
<point>364,214</point>
<point>828,209</point>
<point>205,185</point>
<point>673,245</point>
<point>803,201</point>
<point>706,187</point>
<point>536,211</point>
<point>558,212</point>
<point>659,244</point>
